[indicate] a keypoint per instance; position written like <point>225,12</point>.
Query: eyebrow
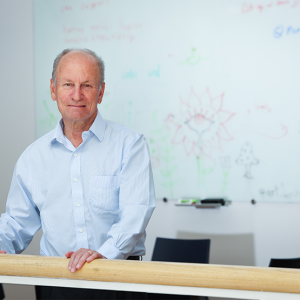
<point>66,79</point>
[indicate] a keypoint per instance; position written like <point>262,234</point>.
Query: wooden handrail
<point>159,273</point>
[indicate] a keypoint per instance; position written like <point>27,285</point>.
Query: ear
<point>101,93</point>
<point>52,90</point>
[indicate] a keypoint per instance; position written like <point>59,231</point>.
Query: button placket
<point>77,197</point>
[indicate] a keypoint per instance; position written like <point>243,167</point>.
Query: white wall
<point>241,233</point>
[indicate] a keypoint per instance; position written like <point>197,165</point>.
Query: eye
<point>87,85</point>
<point>67,84</point>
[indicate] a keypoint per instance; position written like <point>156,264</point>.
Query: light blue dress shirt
<point>98,196</point>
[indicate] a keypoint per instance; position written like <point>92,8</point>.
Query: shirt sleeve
<point>136,201</point>
<point>21,220</point>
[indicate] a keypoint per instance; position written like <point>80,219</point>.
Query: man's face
<point>77,87</point>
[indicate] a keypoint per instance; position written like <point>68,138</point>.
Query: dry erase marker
<point>188,201</point>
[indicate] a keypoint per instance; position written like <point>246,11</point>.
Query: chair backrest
<point>2,296</point>
<point>285,263</point>
<point>179,250</point>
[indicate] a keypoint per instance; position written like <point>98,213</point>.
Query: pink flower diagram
<point>200,127</point>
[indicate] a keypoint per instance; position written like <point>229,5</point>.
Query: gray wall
<point>17,103</point>
<point>241,233</point>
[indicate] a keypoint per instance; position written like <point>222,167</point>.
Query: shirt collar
<point>98,129</point>
<point>58,134</point>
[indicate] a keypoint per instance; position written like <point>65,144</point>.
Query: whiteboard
<point>213,86</point>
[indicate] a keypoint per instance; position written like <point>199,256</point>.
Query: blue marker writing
<point>278,31</point>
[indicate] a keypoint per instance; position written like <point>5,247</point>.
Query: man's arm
<point>21,220</point>
<point>136,201</point>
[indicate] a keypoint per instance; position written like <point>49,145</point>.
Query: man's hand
<point>78,258</point>
<point>2,251</point>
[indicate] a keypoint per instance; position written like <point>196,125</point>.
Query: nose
<point>77,93</point>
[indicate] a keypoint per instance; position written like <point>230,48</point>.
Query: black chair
<point>293,263</point>
<point>182,251</point>
<point>2,296</point>
<point>38,292</point>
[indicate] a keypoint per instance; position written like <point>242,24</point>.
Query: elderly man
<point>88,183</point>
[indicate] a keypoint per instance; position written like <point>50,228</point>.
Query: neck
<point>73,130</point>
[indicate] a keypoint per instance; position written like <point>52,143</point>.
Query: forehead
<point>79,63</point>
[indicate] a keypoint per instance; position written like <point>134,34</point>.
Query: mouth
<point>77,106</point>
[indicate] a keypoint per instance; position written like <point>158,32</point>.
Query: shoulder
<point>41,144</point>
<point>120,131</point>
<point>127,140</point>
<point>32,154</point>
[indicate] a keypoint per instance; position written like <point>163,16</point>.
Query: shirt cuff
<point>110,251</point>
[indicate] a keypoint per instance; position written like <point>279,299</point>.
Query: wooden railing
<point>157,273</point>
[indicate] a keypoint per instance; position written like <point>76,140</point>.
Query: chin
<point>76,117</point>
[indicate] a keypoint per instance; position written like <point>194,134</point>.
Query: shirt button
<point>80,230</point>
<point>75,154</point>
<point>75,179</point>
<point>78,204</point>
